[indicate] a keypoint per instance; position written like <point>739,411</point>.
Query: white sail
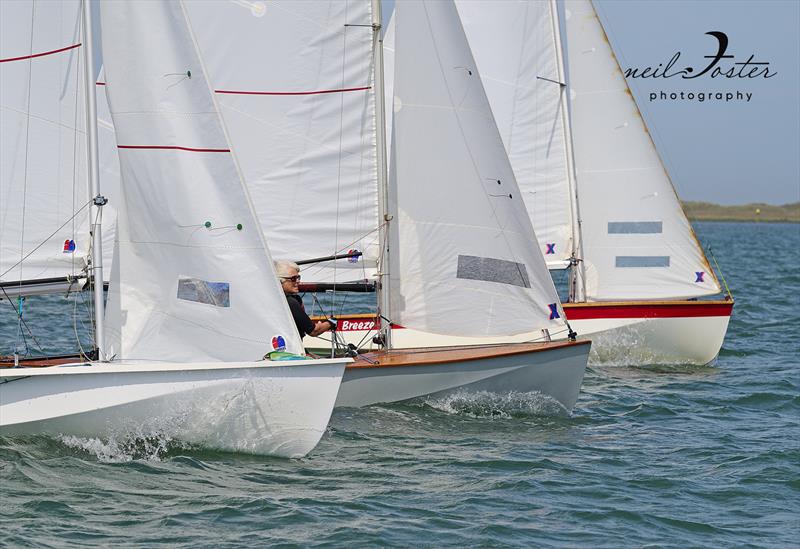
<point>44,229</point>
<point>515,46</point>
<point>465,259</point>
<point>296,91</point>
<point>193,280</point>
<point>42,161</point>
<point>637,241</point>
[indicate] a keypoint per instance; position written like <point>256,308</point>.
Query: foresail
<point>43,190</point>
<point>465,259</point>
<point>296,91</point>
<point>523,80</point>
<point>192,280</point>
<point>637,241</point>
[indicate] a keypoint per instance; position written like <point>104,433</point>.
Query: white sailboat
<point>596,189</point>
<point>194,301</point>
<point>309,129</point>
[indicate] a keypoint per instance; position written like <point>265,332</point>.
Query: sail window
<point>202,291</point>
<point>642,261</point>
<point>471,267</point>
<point>634,227</point>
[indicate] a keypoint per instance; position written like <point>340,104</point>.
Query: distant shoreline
<point>755,213</point>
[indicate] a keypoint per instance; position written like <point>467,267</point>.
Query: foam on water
<point>484,404</point>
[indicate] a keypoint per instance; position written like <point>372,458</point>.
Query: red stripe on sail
<point>173,148</point>
<point>648,310</point>
<point>100,84</point>
<point>315,92</point>
<point>72,47</point>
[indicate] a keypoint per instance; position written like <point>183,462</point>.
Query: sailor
<point>289,274</point>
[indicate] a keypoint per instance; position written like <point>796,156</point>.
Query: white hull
<point>253,407</point>
<point>556,372</point>
<point>637,341</point>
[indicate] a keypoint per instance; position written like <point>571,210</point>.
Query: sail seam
<point>43,54</point>
<point>311,92</point>
<point>172,148</point>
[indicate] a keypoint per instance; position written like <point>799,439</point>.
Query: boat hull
<point>640,333</point>
<point>252,407</point>
<point>624,333</point>
<point>554,369</point>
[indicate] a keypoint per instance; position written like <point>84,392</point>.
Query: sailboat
<point>600,198</point>
<point>308,127</point>
<point>601,202</point>
<point>193,301</point>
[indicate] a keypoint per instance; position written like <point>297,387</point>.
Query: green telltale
<point>238,226</point>
<point>207,224</point>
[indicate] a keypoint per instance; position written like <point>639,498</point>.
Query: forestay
<point>296,91</point>
<point>193,280</point>
<point>465,259</point>
<point>515,46</point>
<point>637,241</point>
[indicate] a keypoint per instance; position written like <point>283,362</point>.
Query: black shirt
<point>304,324</point>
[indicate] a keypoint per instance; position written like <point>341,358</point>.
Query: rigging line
<point>16,311</point>
<point>43,242</point>
<point>25,168</point>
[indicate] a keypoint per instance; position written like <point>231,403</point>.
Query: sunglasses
<point>294,278</point>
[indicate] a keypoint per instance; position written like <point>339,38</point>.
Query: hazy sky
<point>731,152</point>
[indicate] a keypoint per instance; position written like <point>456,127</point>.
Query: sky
<point>727,152</point>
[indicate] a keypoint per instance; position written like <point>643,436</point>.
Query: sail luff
<point>577,289</point>
<point>93,169</point>
<point>384,218</point>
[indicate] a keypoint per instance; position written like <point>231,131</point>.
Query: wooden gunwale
<point>445,355</point>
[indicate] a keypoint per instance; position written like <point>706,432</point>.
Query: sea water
<point>657,455</point>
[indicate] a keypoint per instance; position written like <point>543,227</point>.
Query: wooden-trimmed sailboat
<point>320,115</point>
<point>597,193</point>
<point>189,303</point>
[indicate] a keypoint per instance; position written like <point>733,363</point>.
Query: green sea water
<point>658,455</point>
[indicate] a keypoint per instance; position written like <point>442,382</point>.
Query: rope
<point>43,242</point>
<point>721,274</point>
<point>25,174</point>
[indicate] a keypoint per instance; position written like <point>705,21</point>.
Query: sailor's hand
<point>319,328</point>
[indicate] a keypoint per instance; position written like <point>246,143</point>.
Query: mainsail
<point>637,241</point>
<point>44,194</point>
<point>42,161</point>
<point>296,92</point>
<point>465,259</point>
<point>193,280</point>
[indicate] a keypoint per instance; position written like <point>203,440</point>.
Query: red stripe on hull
<point>683,309</point>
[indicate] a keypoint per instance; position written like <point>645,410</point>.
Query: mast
<point>575,293</point>
<point>96,215</point>
<point>384,295</point>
